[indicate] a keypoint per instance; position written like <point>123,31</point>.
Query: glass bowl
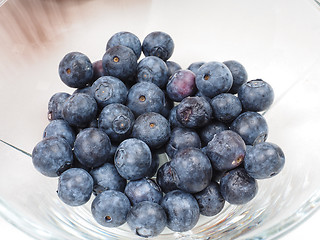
<point>277,41</point>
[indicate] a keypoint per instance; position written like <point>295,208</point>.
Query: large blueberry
<point>133,159</point>
<point>182,210</point>
<point>92,147</point>
<point>147,219</point>
<point>251,126</point>
<point>239,74</point>
<point>110,208</point>
<point>207,132</point>
<point>167,178</point>
<point>126,39</point>
<point>152,128</point>
<point>213,78</point>
<point>226,150</point>
<point>117,121</point>
<point>75,186</point>
<point>153,69</point>
<point>51,156</point>
<point>264,160</point>
<point>60,128</point>
<point>106,177</point>
<point>80,109</point>
<point>237,187</point>
<point>145,97</point>
<point>158,44</point>
<point>55,105</point>
<point>75,70</point>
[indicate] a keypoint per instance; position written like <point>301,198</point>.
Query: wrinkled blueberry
<point>166,178</point>
<point>55,105</point>
<point>60,128</point>
<point>239,74</point>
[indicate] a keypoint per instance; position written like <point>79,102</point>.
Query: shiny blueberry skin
<point>264,160</point>
<point>195,66</point>
<point>108,89</point>
<point>194,112</point>
<point>207,132</point>
<point>181,85</point>
<point>133,159</point>
<point>237,187</point>
<point>256,95</point>
<point>145,97</point>
<point>120,62</point>
<point>158,44</point>
<point>80,109</point>
<point>213,78</point>
<point>60,128</point>
<point>239,74</point>
<point>126,39</point>
<point>75,186</point>
<point>98,70</point>
<point>172,67</point>
<point>226,107</point>
<point>167,178</point>
<point>173,118</point>
<point>182,210</point>
<point>55,105</point>
<point>251,126</point>
<point>51,156</point>
<point>153,69</point>
<point>117,121</point>
<point>182,138</point>
<point>144,189</point>
<point>210,200</point>
<point>92,147</point>
<point>147,219</point>
<point>106,177</point>
<point>75,70</point>
<point>192,168</point>
<point>152,128</point>
<point>226,150</point>
<point>110,208</point>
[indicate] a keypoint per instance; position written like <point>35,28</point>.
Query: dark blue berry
<point>173,118</point>
<point>86,90</point>
<point>168,105</point>
<point>75,186</point>
<point>55,105</point>
<point>172,67</point>
<point>207,132</point>
<point>239,74</point>
<point>98,70</point>
<point>167,178</point>
<point>60,128</point>
<point>154,165</point>
<point>75,70</point>
<point>193,67</point>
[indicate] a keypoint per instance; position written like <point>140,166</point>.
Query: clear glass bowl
<point>277,41</point>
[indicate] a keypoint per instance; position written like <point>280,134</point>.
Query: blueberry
<point>92,147</point>
<point>239,75</point>
<point>180,85</point>
<point>172,67</point>
<point>210,200</point>
<point>226,107</point>
<point>264,160</point>
<point>85,90</point>
<point>117,121</point>
<point>251,126</point>
<point>98,70</point>
<point>108,89</point>
<point>110,208</point>
<point>194,112</point>
<point>55,105</point>
<point>120,62</point>
<point>192,169</point>
<point>182,210</point>
<point>193,67</point>
<point>51,156</point>
<point>145,97</point>
<point>154,165</point>
<point>144,189</point>
<point>80,109</point>
<point>133,159</point>
<point>152,128</point>
<point>200,94</point>
<point>256,95</point>
<point>126,39</point>
<point>153,69</point>
<point>75,70</point>
<point>226,150</point>
<point>167,178</point>
<point>60,128</point>
<point>213,78</point>
<point>207,132</point>
<point>237,187</point>
<point>173,118</point>
<point>75,186</point>
<point>106,177</point>
<point>147,219</point>
<point>158,44</point>
<point>182,138</point>
<point>168,105</point>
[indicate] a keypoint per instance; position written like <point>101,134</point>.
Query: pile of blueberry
<point>106,137</point>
